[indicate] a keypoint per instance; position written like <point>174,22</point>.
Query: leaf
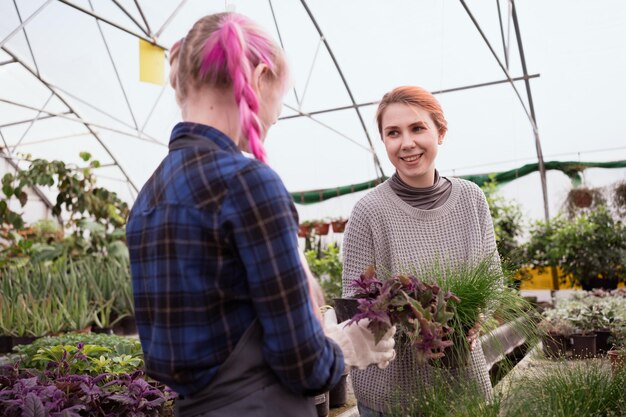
<point>73,411</point>
<point>85,156</point>
<point>23,198</point>
<point>33,407</point>
<point>379,329</point>
<point>123,399</point>
<point>7,189</point>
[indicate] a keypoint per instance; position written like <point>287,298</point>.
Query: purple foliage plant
<point>420,311</point>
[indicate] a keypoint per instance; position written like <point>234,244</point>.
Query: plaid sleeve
<point>260,216</point>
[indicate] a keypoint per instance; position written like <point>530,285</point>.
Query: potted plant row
<point>81,374</point>
<point>51,298</point>
<point>321,227</point>
<point>586,327</point>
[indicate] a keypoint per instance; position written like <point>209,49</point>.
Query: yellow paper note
<point>151,63</point>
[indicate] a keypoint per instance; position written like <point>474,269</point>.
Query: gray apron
<point>245,386</point>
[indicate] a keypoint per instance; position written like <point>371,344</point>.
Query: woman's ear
<point>441,136</point>
<point>259,78</point>
<point>174,53</point>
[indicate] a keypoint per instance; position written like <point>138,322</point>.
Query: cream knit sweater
<point>386,232</point>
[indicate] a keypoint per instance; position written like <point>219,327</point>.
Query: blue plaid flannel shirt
<point>213,245</point>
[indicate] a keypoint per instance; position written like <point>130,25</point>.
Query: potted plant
<point>304,229</point>
<point>556,334</point>
<point>339,225</point>
<point>580,197</point>
<point>108,280</point>
<point>461,296</point>
<point>584,339</point>
<point>591,249</point>
<point>604,322</point>
<point>322,228</point>
<point>421,312</point>
<point>617,353</point>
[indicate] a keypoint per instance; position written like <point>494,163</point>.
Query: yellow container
<point>543,280</point>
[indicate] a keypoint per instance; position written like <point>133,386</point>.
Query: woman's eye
<point>392,133</point>
<point>417,129</point>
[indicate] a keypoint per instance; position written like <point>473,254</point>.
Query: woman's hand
<point>358,344</point>
<point>473,333</point>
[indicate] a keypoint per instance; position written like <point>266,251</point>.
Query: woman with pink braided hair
<point>222,301</point>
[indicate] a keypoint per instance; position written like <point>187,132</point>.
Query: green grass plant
<point>447,396</point>
<point>483,295</point>
<point>566,389</point>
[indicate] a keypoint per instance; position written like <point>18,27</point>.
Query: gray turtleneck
<point>422,198</point>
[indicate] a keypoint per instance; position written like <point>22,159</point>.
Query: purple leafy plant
<point>420,311</point>
<point>33,393</point>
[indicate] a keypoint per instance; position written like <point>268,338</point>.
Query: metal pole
<point>542,168</point>
<point>108,22</point>
<point>504,46</point>
<point>95,135</point>
<point>372,103</point>
<point>345,83</point>
<point>131,17</point>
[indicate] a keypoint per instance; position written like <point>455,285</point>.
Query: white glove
<point>357,342</point>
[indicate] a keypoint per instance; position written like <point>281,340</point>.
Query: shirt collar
<point>185,128</point>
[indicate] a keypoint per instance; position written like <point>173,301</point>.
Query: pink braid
<point>228,49</point>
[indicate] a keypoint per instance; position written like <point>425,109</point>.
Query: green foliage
<point>328,269</point>
<point>588,318</point>
<point>482,295</point>
<point>619,198</point>
<point>507,222</point>
<point>618,338</point>
<point>590,246</point>
<point>117,345</point>
<point>581,389</point>
<point>446,396</point>
<point>87,359</point>
<point>49,297</point>
<point>593,246</point>
<point>85,204</point>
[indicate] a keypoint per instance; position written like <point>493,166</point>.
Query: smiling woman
<point>409,224</point>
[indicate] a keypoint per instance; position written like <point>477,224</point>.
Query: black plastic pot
<point>322,404</point>
<point>602,340</point>
<point>126,326</point>
<point>6,344</point>
<point>338,395</point>
<point>346,308</point>
<point>584,345</point>
<point>22,340</point>
<point>554,345</point>
<point>607,284</point>
<point>102,330</point>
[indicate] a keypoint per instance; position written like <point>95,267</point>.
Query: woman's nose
<point>407,141</point>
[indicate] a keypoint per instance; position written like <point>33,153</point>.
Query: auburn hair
<point>413,96</point>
